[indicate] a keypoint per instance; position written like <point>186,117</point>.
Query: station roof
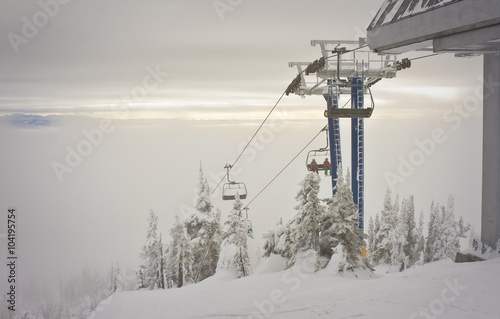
<point>459,26</point>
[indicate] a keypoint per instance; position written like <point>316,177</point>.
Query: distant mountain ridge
<point>30,120</point>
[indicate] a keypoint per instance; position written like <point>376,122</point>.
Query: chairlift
<point>231,189</point>
<point>318,155</point>
<point>351,113</point>
<point>248,224</point>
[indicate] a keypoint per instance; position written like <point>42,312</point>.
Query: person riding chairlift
<point>314,166</point>
<point>327,167</point>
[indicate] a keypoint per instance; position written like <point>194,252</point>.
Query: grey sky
<point>92,52</point>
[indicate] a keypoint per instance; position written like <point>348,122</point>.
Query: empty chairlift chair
<point>232,189</point>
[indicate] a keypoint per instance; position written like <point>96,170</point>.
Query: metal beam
<point>462,16</point>
<point>490,218</point>
<point>474,40</point>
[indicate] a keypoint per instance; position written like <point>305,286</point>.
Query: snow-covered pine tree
<point>305,227</point>
<point>448,235</point>
<point>234,248</point>
<point>410,248</point>
<point>339,230</point>
<point>382,240</point>
<point>179,256</point>
<point>275,240</point>
<point>420,240</point>
<point>115,280</point>
<point>399,240</point>
<point>141,279</point>
<point>376,230</point>
<point>151,254</point>
<point>462,229</point>
<point>204,231</point>
<point>433,229</point>
<point>370,238</point>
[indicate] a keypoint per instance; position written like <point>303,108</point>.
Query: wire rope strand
<point>286,166</point>
<point>250,141</point>
<point>423,57</point>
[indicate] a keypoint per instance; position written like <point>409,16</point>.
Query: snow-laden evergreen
<point>204,231</point>
<point>305,226</point>
<point>370,238</point>
<point>234,257</point>
<point>448,233</point>
<point>115,280</point>
<point>276,241</point>
<point>382,243</point>
<point>408,214</point>
<point>399,240</point>
<point>151,254</point>
<point>339,229</point>
<point>179,256</point>
<point>431,241</point>
<point>420,240</point>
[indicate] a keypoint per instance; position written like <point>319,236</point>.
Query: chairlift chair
<point>248,224</point>
<point>319,155</point>
<point>232,189</point>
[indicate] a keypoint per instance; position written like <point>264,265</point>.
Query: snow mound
<point>442,289</point>
<point>273,263</point>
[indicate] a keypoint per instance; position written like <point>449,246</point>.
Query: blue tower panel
<point>334,137</point>
<point>357,155</point>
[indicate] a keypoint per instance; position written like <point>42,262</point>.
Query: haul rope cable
<point>264,121</point>
<point>288,164</point>
<point>250,141</point>
<point>300,152</point>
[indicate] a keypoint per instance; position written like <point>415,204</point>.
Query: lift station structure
<point>345,69</point>
<point>465,28</point>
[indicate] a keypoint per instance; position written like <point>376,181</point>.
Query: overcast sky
<point>194,62</point>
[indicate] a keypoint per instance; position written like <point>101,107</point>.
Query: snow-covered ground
<point>437,290</point>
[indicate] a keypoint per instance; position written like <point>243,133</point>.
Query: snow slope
<point>437,290</point>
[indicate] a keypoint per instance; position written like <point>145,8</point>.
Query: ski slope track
<point>437,290</point>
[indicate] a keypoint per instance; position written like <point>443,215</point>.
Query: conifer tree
<point>305,227</point>
<point>275,240</point>
<point>383,242</point>
<point>399,240</point>
<point>234,247</point>
<point>204,231</point>
<point>115,281</point>
<point>448,235</point>
<point>433,228</point>
<point>340,230</point>
<point>410,248</point>
<point>179,256</point>
<point>151,254</point>
<point>420,240</point>
<point>370,236</point>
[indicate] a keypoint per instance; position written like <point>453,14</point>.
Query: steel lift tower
<point>346,69</point>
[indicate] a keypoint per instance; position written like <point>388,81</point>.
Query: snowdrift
<point>441,289</point>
